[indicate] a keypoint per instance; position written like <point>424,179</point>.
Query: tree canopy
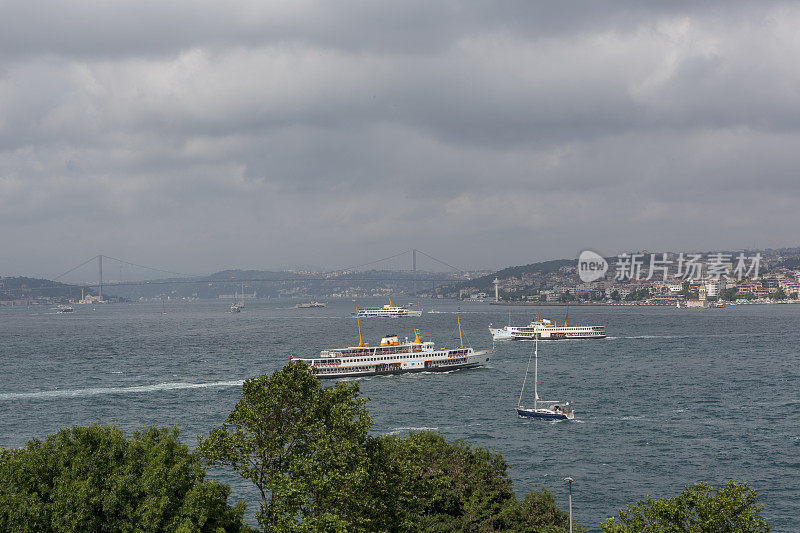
<point>307,449</point>
<point>698,508</point>
<point>94,479</point>
<point>303,445</point>
<point>442,486</point>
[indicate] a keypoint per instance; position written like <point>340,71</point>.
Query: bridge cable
<point>442,262</point>
<point>75,268</point>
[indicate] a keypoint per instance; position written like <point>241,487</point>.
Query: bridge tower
<point>100,268</point>
<point>414,269</point>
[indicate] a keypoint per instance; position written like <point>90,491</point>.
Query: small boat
<point>238,307</point>
<point>551,410</point>
<point>64,309</point>
<point>309,305</point>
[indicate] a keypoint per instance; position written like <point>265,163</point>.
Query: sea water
<point>671,397</point>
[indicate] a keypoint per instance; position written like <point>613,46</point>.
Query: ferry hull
<point>473,362</point>
<point>547,332</point>
<point>557,337</point>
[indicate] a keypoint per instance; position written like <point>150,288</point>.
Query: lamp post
<point>570,480</point>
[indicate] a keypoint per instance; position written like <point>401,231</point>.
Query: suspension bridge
<point>364,272</point>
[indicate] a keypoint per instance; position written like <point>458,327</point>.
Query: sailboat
<point>551,410</point>
<point>237,307</point>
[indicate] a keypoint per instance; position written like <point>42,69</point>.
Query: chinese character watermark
<point>688,267</point>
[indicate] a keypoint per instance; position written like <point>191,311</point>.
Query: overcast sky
<point>196,136</point>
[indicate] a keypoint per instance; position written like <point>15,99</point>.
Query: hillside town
<point>644,278</point>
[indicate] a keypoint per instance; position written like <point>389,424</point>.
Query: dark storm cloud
<point>197,136</point>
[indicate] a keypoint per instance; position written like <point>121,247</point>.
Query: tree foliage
<point>307,449</point>
<point>729,293</point>
<point>457,487</point>
<point>94,479</point>
<point>698,508</point>
<point>303,446</point>
<point>779,294</point>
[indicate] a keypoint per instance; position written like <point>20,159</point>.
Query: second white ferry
<point>394,357</point>
<point>544,329</point>
<point>387,311</point>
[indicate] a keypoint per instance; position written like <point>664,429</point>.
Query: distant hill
<point>18,287</point>
<point>486,283</point>
<point>272,284</point>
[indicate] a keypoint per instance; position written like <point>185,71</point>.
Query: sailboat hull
<point>543,414</point>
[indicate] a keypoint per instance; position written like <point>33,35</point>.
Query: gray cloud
<point>196,136</point>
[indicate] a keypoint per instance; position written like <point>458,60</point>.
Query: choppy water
<point>673,396</point>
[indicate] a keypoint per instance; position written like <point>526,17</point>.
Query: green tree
<point>537,513</point>
<point>94,479</point>
<point>443,487</point>
<point>687,292</point>
<point>778,294</point>
<point>698,508</point>
<point>728,294</point>
<point>307,449</point>
<point>615,295</point>
<point>304,446</point>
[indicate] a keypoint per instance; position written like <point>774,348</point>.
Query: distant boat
<point>64,309</point>
<point>238,307</point>
<point>544,329</point>
<point>387,311</point>
<point>309,305</point>
<point>553,410</point>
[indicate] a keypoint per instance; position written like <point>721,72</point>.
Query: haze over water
<point>673,396</point>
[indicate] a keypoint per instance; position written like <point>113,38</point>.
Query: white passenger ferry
<point>544,329</point>
<point>387,311</point>
<point>393,357</point>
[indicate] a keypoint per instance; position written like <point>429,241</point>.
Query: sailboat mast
<point>536,375</point>
<point>527,369</point>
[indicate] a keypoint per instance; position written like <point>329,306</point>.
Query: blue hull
<point>530,413</point>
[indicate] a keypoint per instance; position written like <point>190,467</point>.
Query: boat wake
<point>99,391</point>
<point>679,336</point>
<point>398,430</point>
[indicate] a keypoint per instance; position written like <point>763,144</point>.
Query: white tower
<point>496,290</point>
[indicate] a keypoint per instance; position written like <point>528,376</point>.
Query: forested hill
<point>12,288</point>
<point>485,283</point>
